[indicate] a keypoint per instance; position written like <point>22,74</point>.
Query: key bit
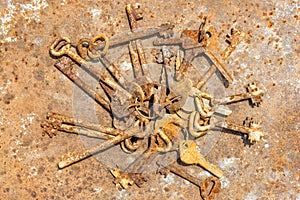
<point>233,40</point>
<point>133,15</point>
<point>190,155</point>
<point>123,180</point>
<point>250,128</point>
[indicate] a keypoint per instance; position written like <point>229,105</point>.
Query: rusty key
<point>190,155</point>
<point>209,188</point>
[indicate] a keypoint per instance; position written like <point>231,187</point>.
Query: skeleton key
<point>65,49</point>
<point>139,33</point>
<point>206,192</point>
<point>190,155</point>
<point>253,93</point>
<point>136,50</point>
<point>73,158</point>
<point>253,130</point>
<point>65,65</point>
<point>86,50</point>
<point>235,38</point>
<point>58,122</point>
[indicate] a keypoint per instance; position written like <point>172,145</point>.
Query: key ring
<point>93,44</point>
<point>61,50</point>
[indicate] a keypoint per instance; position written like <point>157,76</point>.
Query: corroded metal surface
<point>31,86</point>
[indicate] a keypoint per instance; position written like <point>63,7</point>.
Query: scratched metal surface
<point>31,86</point>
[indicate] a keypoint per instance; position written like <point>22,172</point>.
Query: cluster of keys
<point>152,116</point>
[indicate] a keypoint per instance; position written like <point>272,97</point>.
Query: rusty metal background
<point>30,86</point>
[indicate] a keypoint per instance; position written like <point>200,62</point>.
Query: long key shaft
<point>139,33</point>
<point>65,66</point>
<point>89,152</point>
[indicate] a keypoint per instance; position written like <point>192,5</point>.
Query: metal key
<point>190,155</point>
<point>252,130</point>
<point>65,65</point>
<point>234,40</point>
<point>188,43</point>
<point>139,33</point>
<point>253,93</point>
<point>65,49</point>
<point>137,54</point>
<point>207,190</point>
<point>58,122</point>
<point>73,158</point>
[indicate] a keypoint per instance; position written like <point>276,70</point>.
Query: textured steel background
<point>30,86</point>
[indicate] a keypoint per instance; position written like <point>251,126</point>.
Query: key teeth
<point>67,156</point>
<point>49,128</point>
<point>122,180</point>
<point>256,94</point>
<point>256,134</point>
<point>51,125</point>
